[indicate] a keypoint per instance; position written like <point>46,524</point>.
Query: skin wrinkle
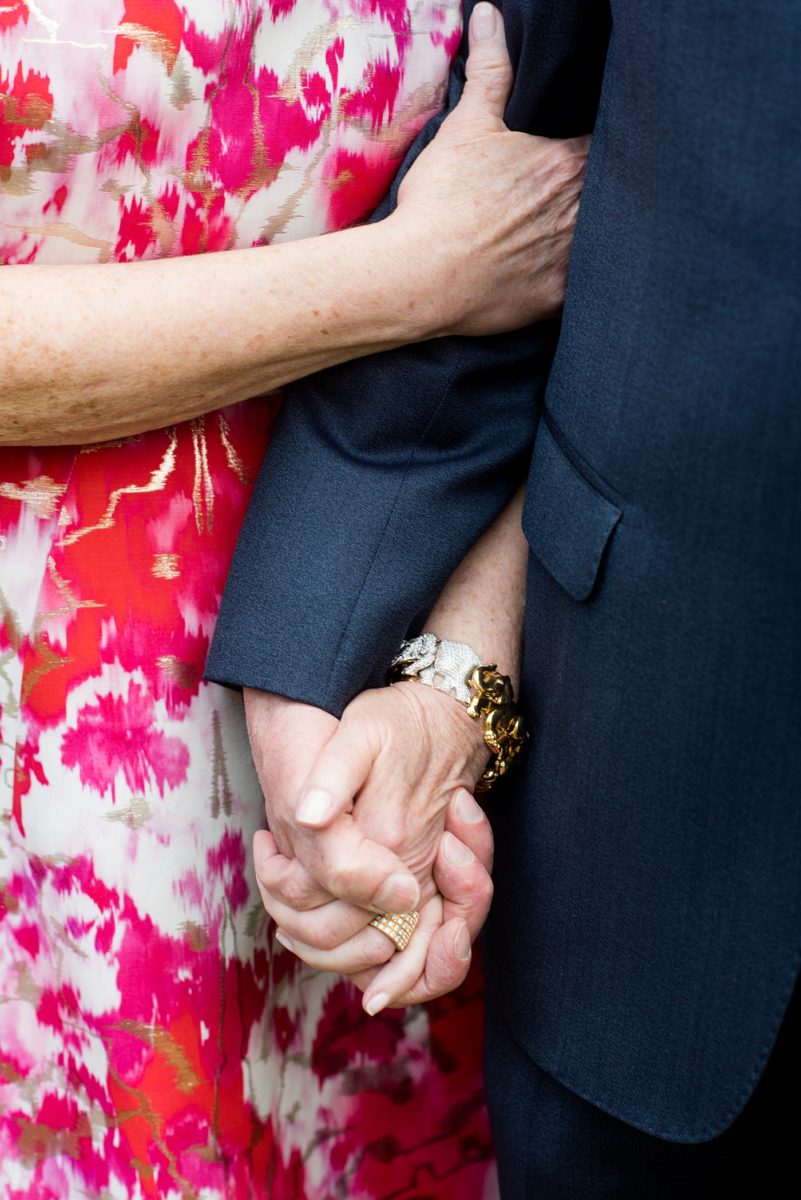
<point>403,727</point>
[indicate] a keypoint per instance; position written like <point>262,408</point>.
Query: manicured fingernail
<point>467,809</point>
<point>285,941</point>
<point>398,893</point>
<point>461,944</point>
<point>482,22</point>
<point>315,808</point>
<point>376,1003</point>
<point>456,852</point>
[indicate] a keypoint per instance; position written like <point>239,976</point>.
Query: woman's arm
<point>97,352</point>
<point>479,242</point>
<point>405,751</point>
<point>409,742</point>
<point>484,601</point>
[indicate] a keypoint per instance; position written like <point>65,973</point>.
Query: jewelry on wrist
<point>488,696</point>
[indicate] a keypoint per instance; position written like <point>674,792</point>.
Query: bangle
<point>488,696</point>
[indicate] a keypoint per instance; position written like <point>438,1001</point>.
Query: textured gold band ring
<point>398,927</point>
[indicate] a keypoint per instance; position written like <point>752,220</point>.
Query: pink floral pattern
<point>119,736</point>
<point>154,1040</point>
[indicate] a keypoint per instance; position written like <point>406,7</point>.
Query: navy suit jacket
<point>647,922</point>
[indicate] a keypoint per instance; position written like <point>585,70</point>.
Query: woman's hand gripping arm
<point>479,242</point>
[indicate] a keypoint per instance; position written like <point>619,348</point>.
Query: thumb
<point>337,776</point>
<point>488,69</point>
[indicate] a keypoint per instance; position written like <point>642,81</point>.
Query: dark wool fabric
<point>647,921</point>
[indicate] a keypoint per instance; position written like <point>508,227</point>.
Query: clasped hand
<point>373,813</point>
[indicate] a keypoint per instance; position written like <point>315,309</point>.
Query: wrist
<point>422,277</point>
<point>491,646</point>
<point>487,696</point>
<point>436,712</point>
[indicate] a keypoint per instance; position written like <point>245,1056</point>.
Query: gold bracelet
<point>487,695</point>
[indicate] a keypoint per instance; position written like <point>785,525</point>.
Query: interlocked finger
<point>404,968</point>
<point>356,868</point>
<point>285,879</point>
<point>324,927</point>
<point>366,949</point>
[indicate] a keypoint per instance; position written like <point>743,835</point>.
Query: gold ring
<point>398,927</point>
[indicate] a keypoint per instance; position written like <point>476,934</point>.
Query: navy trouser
<point>552,1145</point>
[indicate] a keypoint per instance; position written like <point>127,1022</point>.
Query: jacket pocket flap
<point>566,519</point>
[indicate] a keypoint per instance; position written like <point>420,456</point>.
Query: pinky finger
<point>406,966</point>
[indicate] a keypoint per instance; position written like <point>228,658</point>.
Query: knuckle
<point>488,64</point>
<point>342,877</point>
<point>394,841</point>
<point>374,952</point>
<point>392,835</point>
<point>265,873</point>
<point>327,935</point>
<point>567,164</point>
<point>492,75</point>
<point>295,891</point>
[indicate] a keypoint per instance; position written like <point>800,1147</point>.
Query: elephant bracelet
<point>488,696</point>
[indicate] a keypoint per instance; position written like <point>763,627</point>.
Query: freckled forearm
<point>96,352</point>
<point>483,603</point>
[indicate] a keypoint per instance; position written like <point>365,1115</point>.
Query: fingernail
<point>456,852</point>
<point>376,1003</point>
<point>461,944</point>
<point>398,893</point>
<point>467,809</point>
<point>482,23</point>
<point>285,941</point>
<point>315,808</point>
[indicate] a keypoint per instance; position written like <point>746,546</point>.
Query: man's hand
<point>335,935</point>
<point>402,752</point>
<point>286,739</point>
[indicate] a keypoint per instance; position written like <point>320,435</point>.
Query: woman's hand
<point>510,197</point>
<point>363,802</point>
<point>479,243</point>
<point>397,757</point>
<point>334,935</point>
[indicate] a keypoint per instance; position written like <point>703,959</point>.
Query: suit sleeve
<point>381,473</point>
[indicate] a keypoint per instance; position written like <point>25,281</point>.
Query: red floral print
<point>12,11</point>
<point>154,1039</point>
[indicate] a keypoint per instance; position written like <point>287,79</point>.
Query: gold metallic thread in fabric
<point>398,927</point>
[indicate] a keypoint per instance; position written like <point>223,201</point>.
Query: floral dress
<point>154,1040</point>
